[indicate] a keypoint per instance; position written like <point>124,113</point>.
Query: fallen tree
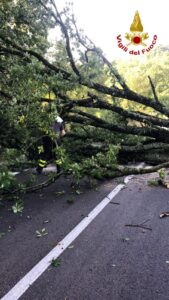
<point>82,83</point>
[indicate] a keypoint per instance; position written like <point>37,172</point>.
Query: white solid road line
<point>19,289</point>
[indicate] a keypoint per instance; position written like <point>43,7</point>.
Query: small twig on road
<point>141,225</point>
<point>117,203</point>
<point>144,222</point>
<point>137,225</point>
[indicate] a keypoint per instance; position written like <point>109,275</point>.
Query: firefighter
<point>47,149</point>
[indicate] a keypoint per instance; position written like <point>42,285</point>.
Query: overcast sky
<point>102,20</point>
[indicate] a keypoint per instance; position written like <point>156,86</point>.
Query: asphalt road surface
<point>107,261</point>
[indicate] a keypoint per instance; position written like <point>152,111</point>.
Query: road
<point>108,260</point>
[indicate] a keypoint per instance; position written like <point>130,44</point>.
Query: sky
<point>103,21</point>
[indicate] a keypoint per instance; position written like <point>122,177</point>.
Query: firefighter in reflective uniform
<point>47,150</point>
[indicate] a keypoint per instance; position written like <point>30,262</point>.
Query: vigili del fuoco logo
<point>136,37</point>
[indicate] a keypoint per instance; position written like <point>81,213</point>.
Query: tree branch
<point>153,89</point>
<point>91,103</point>
<point>93,48</point>
<point>115,92</point>
<point>45,62</point>
<point>7,51</point>
<point>33,188</point>
<point>158,134</point>
<point>57,17</point>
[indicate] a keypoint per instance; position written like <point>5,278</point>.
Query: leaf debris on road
<point>78,192</point>
<point>46,221</point>
<point>2,234</point>
<point>59,193</point>
<point>164,214</point>
<point>71,247</point>
<point>41,233</point>
<point>17,207</point>
<point>55,262</point>
<point>125,239</point>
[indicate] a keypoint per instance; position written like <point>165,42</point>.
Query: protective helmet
<point>59,119</point>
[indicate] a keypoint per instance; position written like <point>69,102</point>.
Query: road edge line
<point>24,284</point>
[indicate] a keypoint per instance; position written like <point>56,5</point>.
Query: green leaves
<point>41,233</point>
<point>77,171</point>
<point>58,194</point>
<point>156,65</point>
<point>7,180</point>
<point>55,263</point>
<point>18,207</point>
<point>96,165</point>
<point>2,234</point>
<point>78,192</point>
<point>162,174</point>
<point>153,182</point>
